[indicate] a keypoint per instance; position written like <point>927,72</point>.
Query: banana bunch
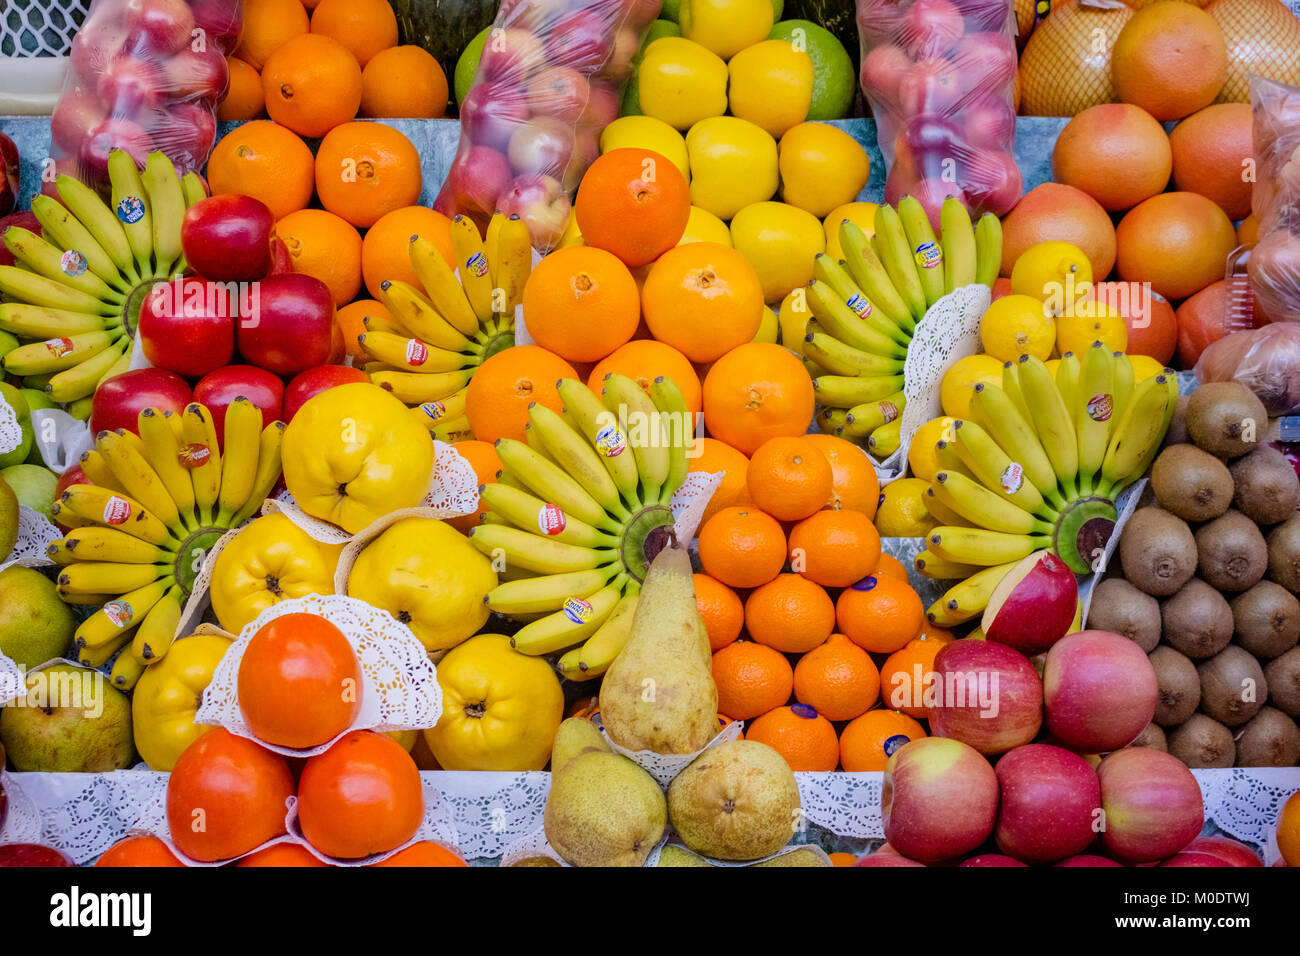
<point>865,308</point>
<point>1038,467</point>
<point>75,292</point>
<point>579,512</point>
<point>158,503</point>
<point>439,336</point>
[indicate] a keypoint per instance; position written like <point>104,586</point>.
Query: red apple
<point>228,238</point>
<point>218,389</point>
<point>986,695</point>
<point>477,177</point>
<point>938,800</point>
<point>1089,859</point>
<point>188,326</point>
<point>290,326</point>
<point>1100,691</point>
<point>220,20</point>
<point>544,144</point>
<point>197,74</point>
<point>1152,804</point>
<point>929,86</point>
<point>991,859</point>
<point>185,132</point>
<point>32,854</point>
<point>559,92</point>
<point>94,46</point>
<point>882,72</point>
<point>601,110</point>
<point>281,259</point>
<point>1033,606</point>
<point>76,113</point>
<point>10,175</point>
<point>131,86</point>
<point>158,27</point>
<point>990,123</point>
<point>987,59</point>
<point>1222,850</point>
<point>931,27</point>
<point>580,38</point>
<point>586,148</point>
<point>542,203</point>
<point>313,381</point>
<point>510,55</point>
<point>992,180</point>
<point>1050,802</point>
<point>880,858</point>
<point>24,220</point>
<point>109,135</point>
<point>119,400</point>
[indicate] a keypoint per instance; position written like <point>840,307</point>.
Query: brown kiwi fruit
<point>1269,739</point>
<point>1284,554</point>
<point>1179,686</point>
<point>1202,743</point>
<point>1231,552</point>
<point>1158,551</point>
<point>1226,419</point>
<point>1233,688</point>
<point>1267,620</point>
<point>1120,608</point>
<point>1152,737</point>
<point>1176,434</point>
<point>1283,678</point>
<point>1191,483</point>
<point>1267,488</point>
<point>1197,621</point>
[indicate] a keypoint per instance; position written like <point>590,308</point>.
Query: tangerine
<point>704,299</point>
<point>634,203</point>
<point>854,483</point>
<point>721,609</point>
<point>868,742</point>
<point>742,547</point>
<point>803,737</point>
<point>403,81</point>
<point>138,851</point>
<point>716,456</point>
<point>364,170</point>
<point>835,548</point>
<point>789,478</point>
<point>386,248</point>
<point>244,99</point>
<point>790,613</point>
<point>755,392</point>
<point>423,853</point>
<point>879,613</point>
<point>838,678</point>
<point>365,27</point>
<point>269,25</point>
<point>503,387</point>
<point>752,679</point>
<point>581,303</point>
<point>485,461</point>
<point>281,855</point>
<point>326,247</point>
<point>908,668</point>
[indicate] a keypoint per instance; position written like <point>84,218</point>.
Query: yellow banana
<point>56,354</point>
<point>981,546</point>
<point>1140,430</point>
<point>131,203</point>
<point>32,288</point>
<point>440,283</point>
<point>896,255</point>
<point>120,615</point>
<point>167,209</point>
<point>864,419</point>
<point>97,470</point>
<point>988,249</point>
<point>575,622</point>
<point>442,411</point>
<point>473,266</point>
<point>1052,421</point>
<point>841,359</point>
<point>106,577</point>
<point>1067,381</point>
<point>38,322</point>
<point>1123,385</point>
<point>599,650</point>
<point>590,419</point>
<point>415,388</point>
<point>871,277</point>
<point>138,478</point>
<point>886,439</point>
<point>941,569</point>
<point>677,429</point>
<point>202,456</point>
<point>90,210</point>
<point>847,391</point>
<point>860,329</point>
<point>941,513</point>
<point>492,246</point>
<point>1094,412</point>
<point>70,268</point>
<point>81,380</point>
<point>832,421</point>
<point>104,506</point>
<point>998,416</point>
<point>625,398</point>
<point>548,592</point>
<point>982,507</point>
<point>239,463</point>
<point>100,655</point>
<point>967,600</point>
<point>127,671</point>
<point>410,355</point>
<point>533,552</point>
<point>153,638</point>
<point>532,514</point>
<point>58,224</point>
<point>550,482</point>
<point>162,451</point>
<point>417,317</point>
<point>98,543</point>
<point>516,263</point>
<point>568,449</point>
<point>958,237</point>
<point>925,248</point>
<point>995,470</point>
<point>267,474</point>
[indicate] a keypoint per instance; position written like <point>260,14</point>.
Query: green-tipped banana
<point>871,276</point>
<point>988,249</point>
<point>958,237</point>
<point>896,255</point>
<point>925,248</point>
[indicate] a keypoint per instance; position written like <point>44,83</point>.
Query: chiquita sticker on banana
<point>435,410</point>
<point>577,610</point>
<point>116,511</point>
<point>929,255</point>
<point>860,304</point>
<point>477,264</point>
<point>550,519</point>
<point>1012,477</point>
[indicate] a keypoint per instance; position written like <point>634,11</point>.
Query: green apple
<point>14,398</point>
<point>72,720</point>
<point>467,64</point>
<point>33,484</point>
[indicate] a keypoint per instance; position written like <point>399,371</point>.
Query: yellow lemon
<point>921,457</point>
<point>1057,273</point>
<point>733,164</point>
<point>726,26</point>
<point>771,84</point>
<point>1144,367</point>
<point>168,696</point>
<point>572,235</point>
<point>681,82</point>
<point>769,330</point>
<point>704,226</point>
<point>1075,333</point>
<point>1017,325</point>
<point>646,132</point>
<point>863,214</point>
<point>821,167</point>
<point>780,242</point>
<point>794,316</point>
<point>902,512</point>
<point>959,381</point>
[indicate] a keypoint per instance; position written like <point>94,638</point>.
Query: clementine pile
<point>838,678</point>
<point>835,548</point>
<point>721,609</point>
<point>752,679</point>
<point>704,299</point>
<point>789,478</point>
<point>790,614</point>
<point>802,736</point>
<point>742,547</point>
<point>755,392</point>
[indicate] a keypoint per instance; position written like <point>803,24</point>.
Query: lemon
<point>902,512</point>
<point>836,82</point>
<point>1017,325</point>
<point>862,214</point>
<point>769,330</point>
<point>794,316</point>
<point>646,132</point>
<point>1075,333</point>
<point>1057,273</point>
<point>572,235</point>
<point>726,26</point>
<point>1144,367</point>
<point>958,382</point>
<point>821,167</point>
<point>681,83</point>
<point>733,164</point>
<point>771,85</point>
<point>780,242</point>
<point>704,226</point>
<point>921,457</point>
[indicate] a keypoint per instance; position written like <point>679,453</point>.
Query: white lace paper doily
<point>22,818</point>
<point>664,767</point>
<point>11,433</point>
<point>35,532</point>
<point>690,501</point>
<point>399,684</point>
<point>12,682</point>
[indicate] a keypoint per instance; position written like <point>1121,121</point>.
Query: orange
<point>1213,152</point>
<point>1202,320</point>
<point>721,609</point>
<point>244,99</point>
<point>483,458</point>
<point>503,387</point>
<point>365,27</point>
<point>138,851</point>
<point>266,161</point>
<point>633,203</point>
<point>879,613</point>
<point>311,85</point>
<point>226,796</point>
<point>789,478</point>
<point>752,679</point>
<point>755,392</point>
<point>1055,211</point>
<point>350,320</point>
<point>403,81</point>
<point>282,855</point>
<point>899,673</point>
<point>1152,328</point>
<point>1288,830</point>
<point>854,483</point>
<point>386,248</point>
<point>643,360</point>
<point>268,25</point>
<point>424,853</point>
<point>790,613</point>
<point>842,859</point>
<point>839,679</point>
<point>703,299</point>
<point>867,743</point>
<point>835,548</point>
<point>364,170</point>
<point>326,247</point>
<point>1170,59</point>
<point>742,547</point>
<point>714,457</point>
<point>802,736</point>
<point>1179,242</point>
<point>299,682</point>
<point>360,797</point>
<point>1118,154</point>
<point>891,566</point>
<point>581,303</point>
<point>931,631</point>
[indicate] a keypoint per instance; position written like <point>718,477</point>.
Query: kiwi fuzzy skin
<point>1203,743</point>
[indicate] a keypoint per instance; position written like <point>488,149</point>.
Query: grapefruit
<point>1201,322</point>
<point>1179,242</point>
<point>1213,151</point>
<point>1262,37</point>
<point>1118,154</point>
<point>1170,59</point>
<point>1152,328</point>
<point>1066,65</point>
<point>1055,211</point>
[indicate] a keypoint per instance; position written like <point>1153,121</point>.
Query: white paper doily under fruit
<point>664,767</point>
<point>11,433</point>
<point>11,682</point>
<point>690,501</point>
<point>35,532</point>
<point>399,684</point>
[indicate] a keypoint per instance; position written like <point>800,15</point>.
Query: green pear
<point>8,520</point>
<point>35,625</point>
<point>72,720</point>
<point>800,857</point>
<point>34,485</point>
<point>659,693</point>
<point>603,810</point>
<point>14,399</point>
<point>673,855</point>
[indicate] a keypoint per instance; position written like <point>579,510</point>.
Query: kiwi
<point>1176,433</point>
<point>1231,552</point>
<point>1267,620</point>
<point>1119,607</point>
<point>1233,688</point>
<point>1226,419</point>
<point>1197,621</point>
<point>1283,678</point>
<point>1267,488</point>
<point>1158,551</point>
<point>1179,686</point>
<point>1284,554</point>
<point>1191,483</point>
<point>1269,739</point>
<point>1202,743</point>
<point>1152,737</point>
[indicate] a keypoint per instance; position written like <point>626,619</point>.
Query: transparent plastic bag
<point>1274,263</point>
<point>1266,361</point>
<point>144,75</point>
<point>550,78</point>
<point>939,76</point>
